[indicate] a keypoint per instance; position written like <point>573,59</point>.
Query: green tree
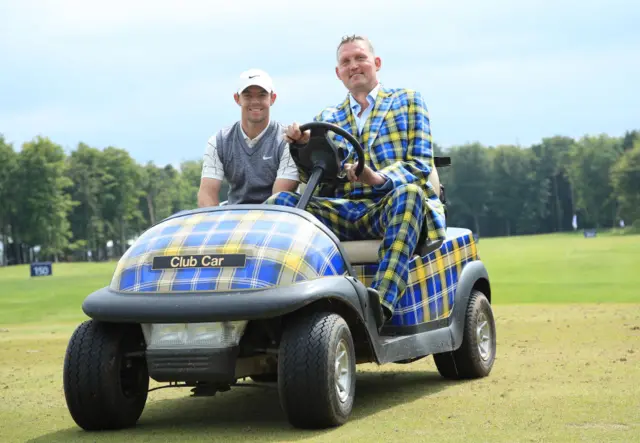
<point>590,161</point>
<point>157,189</point>
<point>552,164</point>
<point>122,190</point>
<point>86,170</point>
<point>468,184</point>
<point>625,179</point>
<point>519,193</point>
<point>42,201</point>
<point>629,139</point>
<point>8,161</point>
<point>190,172</point>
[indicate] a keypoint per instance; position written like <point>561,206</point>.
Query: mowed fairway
<point>568,365</point>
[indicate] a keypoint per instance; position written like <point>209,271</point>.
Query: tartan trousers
<point>397,218</point>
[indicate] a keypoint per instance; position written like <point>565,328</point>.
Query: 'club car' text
<point>199,261</point>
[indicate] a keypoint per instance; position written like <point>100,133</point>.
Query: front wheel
<point>104,388</point>
<point>476,355</point>
<point>317,371</point>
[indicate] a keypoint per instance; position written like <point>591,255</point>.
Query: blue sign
<point>589,233</point>
<point>41,269</point>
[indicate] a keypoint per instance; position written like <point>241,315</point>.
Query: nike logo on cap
<point>252,76</point>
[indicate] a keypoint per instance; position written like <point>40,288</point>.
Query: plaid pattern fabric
<point>433,280</point>
<point>396,141</point>
<point>396,218</point>
<point>281,248</point>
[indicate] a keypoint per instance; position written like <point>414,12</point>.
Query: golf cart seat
<point>366,251</point>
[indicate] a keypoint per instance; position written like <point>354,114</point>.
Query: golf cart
<point>209,297</point>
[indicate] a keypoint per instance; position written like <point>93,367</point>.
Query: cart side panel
<point>433,280</point>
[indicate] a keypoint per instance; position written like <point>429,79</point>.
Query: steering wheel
<point>321,151</point>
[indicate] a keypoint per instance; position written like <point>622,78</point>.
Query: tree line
<point>90,204</point>
<point>508,190</point>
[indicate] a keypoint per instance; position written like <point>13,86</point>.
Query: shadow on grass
<point>254,413</point>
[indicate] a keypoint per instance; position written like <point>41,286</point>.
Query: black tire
<point>307,375</point>
<point>103,389</point>
<point>467,361</point>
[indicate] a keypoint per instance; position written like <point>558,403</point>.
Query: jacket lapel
<point>344,118</point>
<point>377,116</point>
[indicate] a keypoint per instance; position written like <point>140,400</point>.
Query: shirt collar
<point>371,98</point>
<point>246,137</point>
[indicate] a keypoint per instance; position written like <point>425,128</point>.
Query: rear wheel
<point>476,355</point>
<point>104,389</point>
<point>317,371</point>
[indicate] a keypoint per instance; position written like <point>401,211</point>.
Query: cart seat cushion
<point>362,251</point>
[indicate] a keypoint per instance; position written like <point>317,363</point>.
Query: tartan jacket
<point>396,140</point>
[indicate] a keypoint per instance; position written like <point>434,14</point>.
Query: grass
<point>568,318</point>
<point>24,299</point>
<point>563,268</point>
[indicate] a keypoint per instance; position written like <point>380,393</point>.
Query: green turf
<point>24,299</point>
<point>543,269</point>
<point>563,268</point>
<point>563,374</point>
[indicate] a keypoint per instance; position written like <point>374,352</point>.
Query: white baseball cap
<point>255,77</point>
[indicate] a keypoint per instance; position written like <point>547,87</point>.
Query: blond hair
<point>353,38</point>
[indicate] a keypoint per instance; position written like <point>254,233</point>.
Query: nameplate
<point>199,261</point>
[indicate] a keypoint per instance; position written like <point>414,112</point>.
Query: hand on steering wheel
<point>293,134</point>
<point>311,147</point>
<point>368,175</point>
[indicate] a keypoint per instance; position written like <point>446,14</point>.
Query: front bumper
<point>193,307</point>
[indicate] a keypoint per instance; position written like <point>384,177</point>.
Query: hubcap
<point>342,371</point>
<point>483,336</point>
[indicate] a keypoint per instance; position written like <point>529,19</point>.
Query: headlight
<point>193,335</point>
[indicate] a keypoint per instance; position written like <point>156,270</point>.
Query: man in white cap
<point>251,154</point>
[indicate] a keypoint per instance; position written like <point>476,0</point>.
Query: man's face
<point>254,103</point>
<point>357,67</point>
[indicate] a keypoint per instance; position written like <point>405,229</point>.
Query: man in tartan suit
<point>392,198</point>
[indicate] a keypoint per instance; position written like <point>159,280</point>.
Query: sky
<point>157,77</point>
